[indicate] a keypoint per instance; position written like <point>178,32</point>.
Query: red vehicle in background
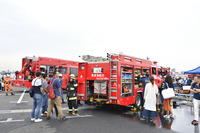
<point>46,65</point>
<point>114,80</point>
<point>159,72</point>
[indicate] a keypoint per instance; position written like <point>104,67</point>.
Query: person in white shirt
<point>151,90</point>
<point>37,97</point>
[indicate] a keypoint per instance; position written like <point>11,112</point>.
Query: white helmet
<point>72,76</point>
<point>8,75</point>
<point>60,75</point>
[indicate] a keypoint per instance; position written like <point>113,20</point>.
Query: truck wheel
<point>138,101</point>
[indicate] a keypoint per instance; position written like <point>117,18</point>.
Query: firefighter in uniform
<point>145,80</point>
<point>7,84</point>
<point>72,95</point>
<point>161,88</point>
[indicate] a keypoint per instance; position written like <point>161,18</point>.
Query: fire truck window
<point>43,69</point>
<point>74,71</point>
<point>153,71</point>
<point>63,70</point>
<point>137,78</point>
<point>166,72</point>
<point>51,69</point>
<point>146,71</point>
<point>126,81</point>
<point>160,72</point>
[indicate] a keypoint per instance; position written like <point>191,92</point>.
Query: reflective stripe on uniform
<point>75,85</point>
<point>70,110</point>
<point>163,84</point>
<point>75,109</point>
<point>72,89</point>
<point>72,98</point>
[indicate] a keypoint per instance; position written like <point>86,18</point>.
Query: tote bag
<point>168,93</point>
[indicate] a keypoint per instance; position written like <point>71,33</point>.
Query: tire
<point>138,101</point>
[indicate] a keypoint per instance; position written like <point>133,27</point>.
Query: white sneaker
<point>32,119</point>
<point>38,120</point>
<point>45,112</point>
<point>42,115</point>
<point>166,116</point>
<point>172,116</point>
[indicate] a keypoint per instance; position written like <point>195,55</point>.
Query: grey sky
<point>165,31</point>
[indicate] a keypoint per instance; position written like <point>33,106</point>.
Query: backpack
<point>50,90</point>
<point>31,90</point>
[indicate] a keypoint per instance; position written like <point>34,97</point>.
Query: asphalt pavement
<point>15,118</point>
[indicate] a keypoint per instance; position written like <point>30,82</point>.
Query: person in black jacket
<point>72,95</point>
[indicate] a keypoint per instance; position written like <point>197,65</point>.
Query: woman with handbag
<point>167,102</point>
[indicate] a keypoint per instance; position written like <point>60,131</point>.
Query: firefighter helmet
<point>60,75</point>
<point>72,76</point>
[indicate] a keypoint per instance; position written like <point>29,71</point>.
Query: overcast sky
<point>165,31</point>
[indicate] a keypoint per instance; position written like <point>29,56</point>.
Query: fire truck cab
<point>114,81</point>
<point>46,65</point>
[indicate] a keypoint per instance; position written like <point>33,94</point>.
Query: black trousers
<point>73,104</point>
<point>56,110</point>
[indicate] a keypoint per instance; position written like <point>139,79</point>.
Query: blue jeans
<point>44,103</point>
<point>148,113</point>
<point>37,102</point>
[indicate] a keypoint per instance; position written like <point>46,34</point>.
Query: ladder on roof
<point>113,80</point>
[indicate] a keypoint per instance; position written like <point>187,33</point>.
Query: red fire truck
<point>46,65</point>
<point>116,80</point>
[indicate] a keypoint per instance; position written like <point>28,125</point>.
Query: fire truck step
<point>98,99</point>
<point>113,98</point>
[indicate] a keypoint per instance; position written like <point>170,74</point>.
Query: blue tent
<point>194,71</point>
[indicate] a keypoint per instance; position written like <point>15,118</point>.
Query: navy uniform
<point>144,81</point>
<point>72,95</point>
<point>162,88</point>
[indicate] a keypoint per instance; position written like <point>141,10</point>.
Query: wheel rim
<point>138,102</point>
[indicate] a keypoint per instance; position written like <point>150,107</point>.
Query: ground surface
<point>15,118</point>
